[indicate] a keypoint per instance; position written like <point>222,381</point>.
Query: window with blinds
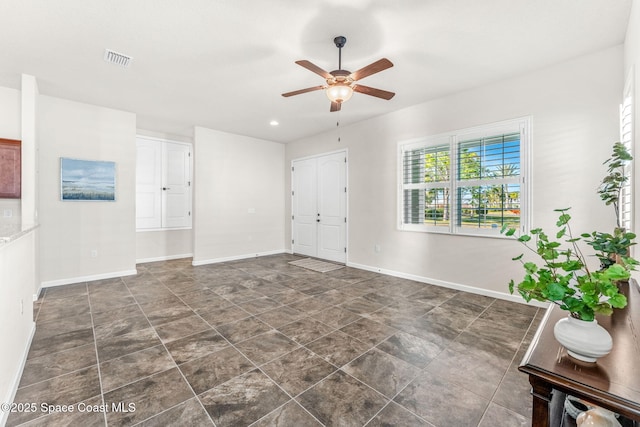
<point>488,171</point>
<point>465,182</point>
<point>626,137</point>
<point>426,185</point>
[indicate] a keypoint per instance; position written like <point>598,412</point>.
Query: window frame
<point>454,139</point>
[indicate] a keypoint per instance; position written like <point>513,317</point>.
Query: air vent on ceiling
<point>117,58</point>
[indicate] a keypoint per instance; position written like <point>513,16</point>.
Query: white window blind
<point>489,182</point>
<point>626,137</point>
<point>465,182</point>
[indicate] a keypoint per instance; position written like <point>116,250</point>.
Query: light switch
<point>251,210</point>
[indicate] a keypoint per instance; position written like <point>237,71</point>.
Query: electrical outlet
<point>377,248</point>
<point>8,213</point>
<point>94,253</point>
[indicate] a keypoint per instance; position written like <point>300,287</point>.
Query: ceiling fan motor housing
<point>340,41</point>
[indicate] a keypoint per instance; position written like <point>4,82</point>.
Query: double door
<point>319,206</point>
<point>163,184</point>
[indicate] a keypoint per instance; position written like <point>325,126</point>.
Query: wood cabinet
<point>613,382</point>
<point>10,169</point>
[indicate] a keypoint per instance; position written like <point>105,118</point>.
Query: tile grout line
<point>95,343</point>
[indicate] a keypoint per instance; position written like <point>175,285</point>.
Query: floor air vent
<point>117,58</point>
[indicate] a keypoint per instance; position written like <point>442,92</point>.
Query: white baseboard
<point>450,285</point>
<point>16,378</point>
<point>163,258</point>
<point>237,257</point>
<point>72,280</point>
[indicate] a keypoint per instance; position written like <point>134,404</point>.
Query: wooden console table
<point>613,382</point>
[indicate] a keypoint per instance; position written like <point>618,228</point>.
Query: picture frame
<point>87,180</point>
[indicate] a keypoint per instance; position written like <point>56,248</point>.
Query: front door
<point>319,206</point>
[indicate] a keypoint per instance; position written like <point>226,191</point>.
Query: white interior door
<point>331,207</point>
<point>176,185</point>
<point>148,190</point>
<point>319,207</point>
<point>304,207</point>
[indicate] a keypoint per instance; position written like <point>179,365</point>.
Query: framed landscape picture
<point>87,180</point>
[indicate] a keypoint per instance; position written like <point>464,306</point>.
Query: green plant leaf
<point>519,257</point>
<point>563,219</point>
<point>616,272</point>
<point>618,301</point>
<point>524,238</point>
<point>530,267</point>
<point>555,292</point>
<point>572,265</point>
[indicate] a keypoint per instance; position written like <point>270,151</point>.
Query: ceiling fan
<point>342,83</point>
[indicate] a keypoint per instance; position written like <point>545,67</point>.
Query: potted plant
<point>613,248</point>
<point>562,275</point>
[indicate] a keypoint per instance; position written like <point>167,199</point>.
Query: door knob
<point>166,188</point>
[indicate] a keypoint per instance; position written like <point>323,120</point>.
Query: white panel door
<point>304,207</point>
<point>319,207</point>
<point>332,207</point>
<point>176,185</point>
<point>148,178</point>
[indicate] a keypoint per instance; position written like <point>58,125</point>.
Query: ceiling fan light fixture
<point>339,93</point>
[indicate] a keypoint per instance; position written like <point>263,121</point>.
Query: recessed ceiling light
<point>274,123</point>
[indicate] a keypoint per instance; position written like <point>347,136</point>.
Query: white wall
<point>10,128</point>
<point>71,230</point>
<point>17,275</point>
<point>18,271</point>
<point>30,143</point>
<point>238,198</point>
<point>163,245</point>
<point>574,107</point>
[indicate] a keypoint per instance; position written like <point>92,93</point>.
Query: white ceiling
<point>223,64</point>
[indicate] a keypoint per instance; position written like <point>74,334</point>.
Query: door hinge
<point>345,160</point>
<point>292,193</point>
<point>345,189</point>
<point>292,168</point>
<point>345,250</point>
<point>292,217</point>
<point>345,220</point>
<point>188,183</point>
<point>292,241</point>
<point>189,213</point>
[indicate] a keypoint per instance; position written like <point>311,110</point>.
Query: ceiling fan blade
<point>313,67</point>
<point>298,92</point>
<point>378,93</point>
<point>376,67</point>
<point>335,107</point>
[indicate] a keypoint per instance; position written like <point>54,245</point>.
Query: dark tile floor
<point>260,342</point>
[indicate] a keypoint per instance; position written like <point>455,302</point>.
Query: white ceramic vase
<point>586,341</point>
